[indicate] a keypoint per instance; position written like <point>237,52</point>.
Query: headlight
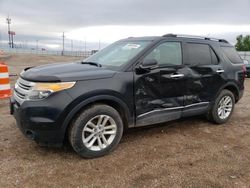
<point>43,90</point>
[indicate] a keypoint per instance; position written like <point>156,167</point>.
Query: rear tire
<point>96,131</point>
<point>222,108</point>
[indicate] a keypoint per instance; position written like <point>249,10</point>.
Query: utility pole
<point>99,44</point>
<point>9,33</point>
<point>12,40</point>
<point>63,43</point>
<point>26,44</point>
<point>0,39</point>
<point>71,45</point>
<point>85,47</point>
<point>36,45</point>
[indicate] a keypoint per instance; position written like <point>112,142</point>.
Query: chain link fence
<point>245,55</point>
<point>46,52</point>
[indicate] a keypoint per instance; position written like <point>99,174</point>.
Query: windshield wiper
<point>91,63</point>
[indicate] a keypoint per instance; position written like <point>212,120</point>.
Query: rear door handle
<point>176,75</point>
<point>220,71</point>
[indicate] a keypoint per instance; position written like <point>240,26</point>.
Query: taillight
<point>244,69</point>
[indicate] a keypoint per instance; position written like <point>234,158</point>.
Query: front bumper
<point>42,120</point>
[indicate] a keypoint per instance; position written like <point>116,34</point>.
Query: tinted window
<point>232,55</point>
<point>199,54</point>
<point>168,53</point>
<point>214,57</point>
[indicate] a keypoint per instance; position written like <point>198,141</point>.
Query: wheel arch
<point>115,102</point>
<point>231,86</point>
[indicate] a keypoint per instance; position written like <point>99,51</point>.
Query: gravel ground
<point>185,153</point>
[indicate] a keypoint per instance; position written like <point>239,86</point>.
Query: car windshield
<point>118,53</point>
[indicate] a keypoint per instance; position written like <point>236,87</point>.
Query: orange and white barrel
<point>5,90</point>
<point>1,52</point>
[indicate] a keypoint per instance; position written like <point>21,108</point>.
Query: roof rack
<point>170,35</point>
<point>195,37</point>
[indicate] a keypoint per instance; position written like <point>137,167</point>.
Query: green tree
<point>243,43</point>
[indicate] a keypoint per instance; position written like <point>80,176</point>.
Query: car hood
<point>65,72</point>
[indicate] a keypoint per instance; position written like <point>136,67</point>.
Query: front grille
<point>22,88</point>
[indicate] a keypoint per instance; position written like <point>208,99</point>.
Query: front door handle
<point>220,71</point>
<point>176,75</point>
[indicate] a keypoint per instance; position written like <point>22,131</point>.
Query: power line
<point>72,45</point>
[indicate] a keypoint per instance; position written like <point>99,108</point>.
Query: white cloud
<point>112,33</point>
<point>52,46</point>
<point>112,20</point>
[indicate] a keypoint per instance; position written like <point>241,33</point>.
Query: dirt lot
<point>186,153</point>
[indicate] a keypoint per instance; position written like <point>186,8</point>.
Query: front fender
<point>83,103</point>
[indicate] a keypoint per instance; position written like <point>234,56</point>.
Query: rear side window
<point>200,54</point>
<point>232,54</point>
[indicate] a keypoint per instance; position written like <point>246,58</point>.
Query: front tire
<point>96,131</point>
<point>222,108</point>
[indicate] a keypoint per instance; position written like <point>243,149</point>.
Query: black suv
<point>133,82</point>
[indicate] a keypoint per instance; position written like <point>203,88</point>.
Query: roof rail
<point>223,40</point>
<point>195,37</point>
<point>169,35</point>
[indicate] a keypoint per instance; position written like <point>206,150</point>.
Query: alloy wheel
<point>99,132</point>
<point>225,107</point>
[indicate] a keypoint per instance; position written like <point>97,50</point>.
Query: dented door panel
<point>202,83</point>
<point>159,96</point>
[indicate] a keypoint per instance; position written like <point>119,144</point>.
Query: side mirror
<point>149,64</point>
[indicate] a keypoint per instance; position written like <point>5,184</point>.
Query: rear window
<point>231,54</point>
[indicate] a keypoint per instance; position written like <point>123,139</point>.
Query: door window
<point>200,54</point>
<point>168,53</point>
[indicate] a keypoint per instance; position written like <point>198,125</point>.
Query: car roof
<point>145,38</point>
<point>189,38</point>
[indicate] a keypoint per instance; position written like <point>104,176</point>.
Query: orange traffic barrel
<point>1,52</point>
<point>5,90</point>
